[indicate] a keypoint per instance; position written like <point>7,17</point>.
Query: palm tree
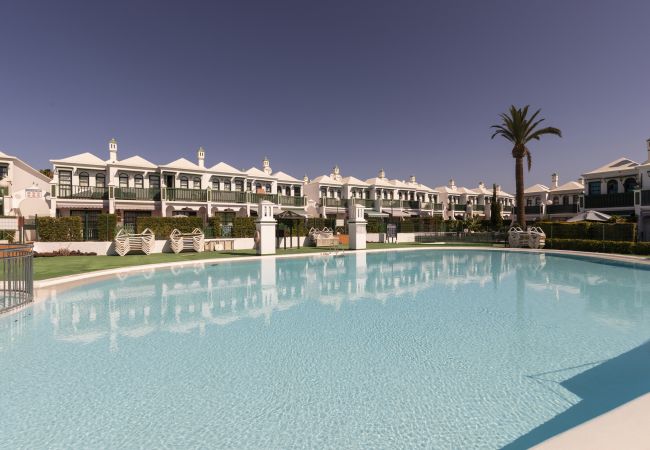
<point>518,129</point>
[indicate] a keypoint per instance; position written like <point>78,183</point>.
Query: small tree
<point>495,210</point>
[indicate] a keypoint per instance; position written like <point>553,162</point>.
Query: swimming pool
<point>444,349</point>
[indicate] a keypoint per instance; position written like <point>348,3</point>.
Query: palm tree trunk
<point>519,197</point>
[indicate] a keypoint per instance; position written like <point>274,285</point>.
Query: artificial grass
<point>58,266</point>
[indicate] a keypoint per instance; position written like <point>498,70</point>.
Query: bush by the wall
<point>214,227</point>
<point>243,227</point>
<point>162,227</point>
<point>587,245</point>
<point>106,226</point>
<point>590,231</point>
<point>60,229</point>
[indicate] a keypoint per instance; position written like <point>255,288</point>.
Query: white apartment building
<point>460,202</point>
<point>24,191</point>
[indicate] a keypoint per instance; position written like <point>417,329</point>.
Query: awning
<point>590,216</point>
<point>376,214</point>
<point>66,205</point>
<point>135,207</point>
<point>291,215</point>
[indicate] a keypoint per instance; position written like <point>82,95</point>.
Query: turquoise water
<point>435,349</point>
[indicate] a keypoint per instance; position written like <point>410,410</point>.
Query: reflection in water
<point>171,301</point>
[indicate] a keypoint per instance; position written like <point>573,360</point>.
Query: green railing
<point>228,196</point>
<point>334,202</point>
<point>458,207</point>
<point>83,192</point>
<point>562,209</point>
<point>411,204</point>
<point>478,207</point>
<point>256,198</point>
<point>286,200</point>
<point>187,195</point>
<point>386,203</point>
<point>621,199</point>
<point>137,194</point>
<point>507,208</point>
<point>438,207</point>
<point>366,202</point>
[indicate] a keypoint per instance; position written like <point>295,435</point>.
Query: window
<point>138,181</point>
<point>575,199</point>
<point>84,179</point>
<point>196,184</point>
<point>215,184</point>
<point>296,191</point>
<point>65,183</point>
<point>4,171</point>
<point>612,187</point>
<point>529,201</point>
<point>287,191</point>
<point>258,187</point>
<point>154,181</point>
<point>323,193</point>
<point>239,185</point>
<point>556,200</point>
<point>538,201</point>
<point>267,188</point>
<point>629,184</point>
<point>249,186</point>
<point>124,180</point>
<point>100,180</point>
<point>594,188</point>
<point>226,185</point>
<point>184,182</point>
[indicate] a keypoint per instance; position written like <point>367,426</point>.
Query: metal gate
<point>17,283</point>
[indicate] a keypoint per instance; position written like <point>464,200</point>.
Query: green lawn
<point>50,267</point>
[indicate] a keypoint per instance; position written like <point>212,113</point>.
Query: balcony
<point>228,196</point>
<point>507,208</point>
<point>562,209</point>
<point>365,202</point>
<point>620,200</point>
<point>142,194</point>
<point>411,204</point>
<point>480,208</point>
<point>83,192</point>
<point>457,207</point>
<point>645,198</point>
<point>187,195</point>
<point>334,202</point>
<point>286,200</point>
<point>438,207</point>
<point>386,203</point>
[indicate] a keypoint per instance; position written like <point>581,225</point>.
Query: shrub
<point>106,225</point>
<point>63,252</point>
<point>214,226</point>
<point>60,229</point>
<point>590,245</point>
<point>590,231</point>
<point>162,227</point>
<point>243,227</point>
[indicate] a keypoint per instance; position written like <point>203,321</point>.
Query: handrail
<point>17,283</point>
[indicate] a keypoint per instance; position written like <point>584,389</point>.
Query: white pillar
<point>357,227</point>
<point>265,235</point>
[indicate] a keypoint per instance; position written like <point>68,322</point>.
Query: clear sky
<point>411,86</point>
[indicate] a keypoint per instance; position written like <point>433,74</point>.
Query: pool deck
<point>623,427</point>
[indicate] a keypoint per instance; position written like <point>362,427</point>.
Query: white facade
<point>24,191</point>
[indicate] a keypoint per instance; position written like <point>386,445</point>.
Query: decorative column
<point>357,227</point>
<point>265,225</point>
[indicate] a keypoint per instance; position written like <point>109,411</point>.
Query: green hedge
<point>106,225</point>
<point>162,227</point>
<point>60,229</point>
<point>590,231</point>
<point>243,227</point>
<point>214,227</point>
<point>586,245</point>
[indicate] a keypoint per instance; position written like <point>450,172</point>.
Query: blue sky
<point>411,86</point>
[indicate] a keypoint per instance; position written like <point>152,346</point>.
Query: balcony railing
<point>507,208</point>
<point>83,192</point>
<point>562,209</point>
<point>286,200</point>
<point>438,207</point>
<point>137,194</point>
<point>411,204</point>
<point>334,202</point>
<point>256,198</point>
<point>366,202</point>
<point>619,200</point>
<point>228,196</point>
<point>458,207</point>
<point>478,207</point>
<point>187,195</point>
<point>387,203</point>
<point>645,198</point>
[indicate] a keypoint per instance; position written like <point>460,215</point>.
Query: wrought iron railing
<point>458,207</point>
<point>187,195</point>
<point>334,202</point>
<point>137,194</point>
<point>228,196</point>
<point>386,203</point>
<point>622,199</point>
<point>287,200</point>
<point>411,204</point>
<point>83,192</point>
<point>438,207</point>
<point>366,202</point>
<point>562,209</point>
<point>17,283</point>
<point>478,207</point>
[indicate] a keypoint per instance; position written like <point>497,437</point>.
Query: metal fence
<point>16,267</point>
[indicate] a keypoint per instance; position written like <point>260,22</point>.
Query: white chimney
<point>382,174</point>
<point>581,180</point>
<point>200,154</point>
<point>266,166</point>
<point>481,185</point>
<point>112,150</point>
<point>554,180</point>
<point>412,179</point>
<point>305,179</point>
<point>498,188</point>
<point>647,143</point>
<point>452,183</point>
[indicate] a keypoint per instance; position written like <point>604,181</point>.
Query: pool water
<point>437,349</point>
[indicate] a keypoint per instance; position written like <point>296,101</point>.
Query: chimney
<point>581,180</point>
<point>554,180</point>
<point>200,154</point>
<point>498,188</point>
<point>452,183</point>
<point>481,185</point>
<point>647,143</point>
<point>382,174</point>
<point>266,166</point>
<point>112,150</point>
<point>305,179</point>
<point>412,179</point>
